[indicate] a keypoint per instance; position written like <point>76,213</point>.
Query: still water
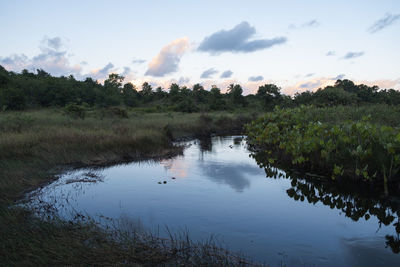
<point>216,188</point>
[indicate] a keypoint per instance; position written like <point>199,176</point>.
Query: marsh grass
<point>36,145</point>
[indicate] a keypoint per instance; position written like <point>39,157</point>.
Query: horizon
<point>297,51</point>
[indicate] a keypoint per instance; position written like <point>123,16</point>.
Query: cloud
<point>50,59</point>
<point>128,74</point>
<point>339,77</point>
<point>312,84</point>
<point>126,71</point>
<point>168,59</point>
<point>138,61</point>
<point>308,24</point>
<point>309,75</point>
<point>102,74</point>
<point>383,83</point>
<point>55,60</point>
<point>351,55</point>
<point>256,78</point>
<point>384,22</point>
<point>183,80</point>
<point>312,23</point>
<point>330,53</point>
<point>226,74</point>
<point>308,85</point>
<point>236,40</point>
<point>54,43</point>
<point>208,73</point>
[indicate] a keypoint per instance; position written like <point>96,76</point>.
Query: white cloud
<point>168,59</point>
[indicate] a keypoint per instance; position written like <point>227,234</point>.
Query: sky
<point>297,45</point>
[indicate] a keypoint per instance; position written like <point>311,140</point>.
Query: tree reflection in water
<point>356,201</point>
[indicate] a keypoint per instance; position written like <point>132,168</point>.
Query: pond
<point>216,188</point>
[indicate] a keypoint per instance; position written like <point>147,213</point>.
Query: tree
<point>346,85</point>
<point>270,94</point>
<point>235,90</point>
<point>147,90</point>
<point>174,89</point>
<point>114,80</point>
<point>216,102</point>
<point>130,94</point>
<point>332,96</point>
<point>199,94</point>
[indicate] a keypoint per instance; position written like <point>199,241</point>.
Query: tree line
<point>24,90</point>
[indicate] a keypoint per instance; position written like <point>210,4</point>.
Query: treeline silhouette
<point>23,90</point>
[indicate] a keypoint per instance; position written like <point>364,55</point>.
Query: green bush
<point>16,123</point>
<point>358,149</point>
<point>75,111</point>
<point>119,112</point>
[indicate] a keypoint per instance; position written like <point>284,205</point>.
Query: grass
<point>35,145</point>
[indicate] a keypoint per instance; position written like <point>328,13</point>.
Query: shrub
<point>119,112</point>
<point>75,111</point>
<point>16,123</point>
<point>357,149</point>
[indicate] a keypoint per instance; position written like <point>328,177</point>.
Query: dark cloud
<point>256,78</point>
<point>330,53</point>
<point>208,73</point>
<point>351,55</point>
<point>384,22</point>
<point>138,61</point>
<point>309,75</point>
<point>237,40</point>
<point>168,59</point>
<point>226,74</point>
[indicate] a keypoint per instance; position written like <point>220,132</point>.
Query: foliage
<point>357,149</point>
<point>75,111</point>
<point>271,95</point>
<point>32,90</point>
<point>119,112</point>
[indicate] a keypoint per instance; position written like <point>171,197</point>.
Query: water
<point>215,188</point>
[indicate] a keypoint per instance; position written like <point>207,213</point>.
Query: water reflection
<point>205,144</point>
<point>355,201</point>
<point>236,176</point>
<point>215,188</point>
